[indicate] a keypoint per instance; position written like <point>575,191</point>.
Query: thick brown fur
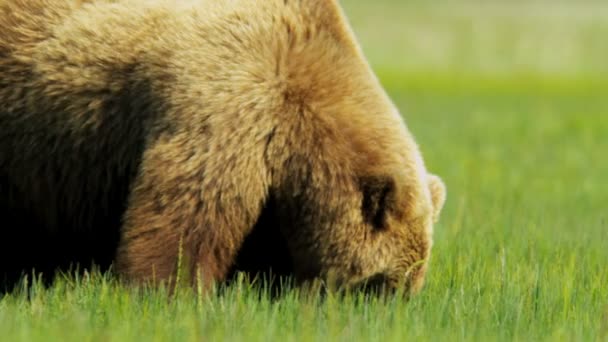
<point>169,128</point>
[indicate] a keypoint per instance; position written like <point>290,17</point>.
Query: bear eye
<point>377,193</point>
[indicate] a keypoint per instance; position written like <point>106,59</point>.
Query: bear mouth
<point>265,256</point>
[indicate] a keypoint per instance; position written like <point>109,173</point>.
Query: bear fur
<point>215,135</point>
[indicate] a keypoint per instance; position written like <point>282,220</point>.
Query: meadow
<point>509,103</point>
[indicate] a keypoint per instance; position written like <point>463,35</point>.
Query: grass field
<point>509,102</point>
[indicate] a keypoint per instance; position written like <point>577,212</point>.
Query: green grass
<point>510,106</point>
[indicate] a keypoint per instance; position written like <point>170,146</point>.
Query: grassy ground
<point>509,101</point>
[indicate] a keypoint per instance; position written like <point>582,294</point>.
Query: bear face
<point>368,240</point>
<point>173,125</point>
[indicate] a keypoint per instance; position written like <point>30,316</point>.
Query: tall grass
<point>509,102</point>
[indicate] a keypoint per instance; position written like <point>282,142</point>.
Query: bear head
<point>356,203</point>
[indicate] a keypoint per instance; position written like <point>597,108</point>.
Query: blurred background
<point>491,38</point>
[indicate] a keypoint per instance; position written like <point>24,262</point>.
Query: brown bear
<point>151,134</point>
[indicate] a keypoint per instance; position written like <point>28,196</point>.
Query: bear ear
<point>438,194</point>
<point>378,196</point>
